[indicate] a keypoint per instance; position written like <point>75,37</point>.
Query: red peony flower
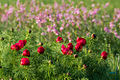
<point>25,61</point>
<point>68,50</point>
<point>78,39</point>
<point>40,50</point>
<point>62,47</point>
<point>78,47</point>
<point>104,55</point>
<point>65,51</point>
<point>59,39</point>
<point>15,47</point>
<point>22,42</point>
<point>70,46</point>
<point>81,40</point>
<point>21,45</point>
<point>26,53</point>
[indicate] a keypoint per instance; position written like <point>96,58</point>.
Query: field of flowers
<point>59,40</point>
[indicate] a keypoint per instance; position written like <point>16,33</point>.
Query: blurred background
<point>114,3</point>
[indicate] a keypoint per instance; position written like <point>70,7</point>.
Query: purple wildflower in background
<point>88,34</point>
<point>56,32</point>
<point>5,5</point>
<point>49,28</point>
<point>37,8</point>
<point>81,2</point>
<point>85,17</point>
<point>76,11</point>
<point>18,3</point>
<point>32,9</point>
<point>68,35</point>
<point>59,17</point>
<point>67,25</point>
<point>111,25</point>
<point>22,8</point>
<point>93,5</point>
<point>106,5</point>
<point>10,10</point>
<point>43,33</point>
<point>94,20</point>
<point>118,36</point>
<point>106,30</point>
<point>55,5</point>
<point>115,33</point>
<point>4,18</point>
<point>84,9</point>
<point>61,28</point>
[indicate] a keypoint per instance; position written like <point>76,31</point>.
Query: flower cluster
<point>18,45</point>
<point>68,50</point>
<point>21,44</point>
<point>80,43</point>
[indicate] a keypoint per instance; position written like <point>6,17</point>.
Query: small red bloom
<point>40,50</point>
<point>15,47</point>
<point>65,51</point>
<point>25,61</point>
<point>22,42</point>
<point>68,50</point>
<point>70,46</point>
<point>26,53</point>
<point>78,47</point>
<point>21,45</point>
<point>59,39</point>
<point>62,47</point>
<point>104,55</point>
<point>78,39</point>
<point>81,40</point>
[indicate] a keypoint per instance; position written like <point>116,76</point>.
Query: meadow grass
<point>114,3</point>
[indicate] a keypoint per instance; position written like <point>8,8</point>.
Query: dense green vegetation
<point>45,25</point>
